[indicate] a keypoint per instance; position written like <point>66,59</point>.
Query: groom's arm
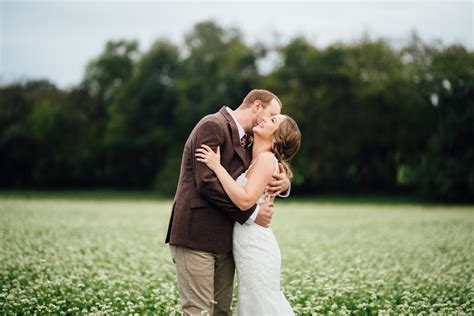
<point>208,185</point>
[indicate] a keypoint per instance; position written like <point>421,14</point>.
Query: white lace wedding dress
<point>258,260</point>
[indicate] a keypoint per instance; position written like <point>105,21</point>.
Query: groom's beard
<point>254,123</point>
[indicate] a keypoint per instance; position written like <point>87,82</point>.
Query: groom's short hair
<point>259,94</point>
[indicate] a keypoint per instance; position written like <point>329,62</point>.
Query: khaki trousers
<point>205,281</point>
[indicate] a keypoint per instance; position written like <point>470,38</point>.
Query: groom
<point>202,218</point>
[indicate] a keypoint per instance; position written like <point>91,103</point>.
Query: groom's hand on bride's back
<point>280,182</point>
<point>264,216</point>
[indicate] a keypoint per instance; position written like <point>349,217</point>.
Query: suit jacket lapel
<point>243,153</point>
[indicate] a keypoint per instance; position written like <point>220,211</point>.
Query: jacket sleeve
<point>207,183</point>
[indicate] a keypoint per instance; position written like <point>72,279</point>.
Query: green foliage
<point>446,170</point>
<point>219,70</point>
<point>45,146</point>
<point>105,74</point>
<point>345,100</point>
<point>140,128</point>
<point>373,118</point>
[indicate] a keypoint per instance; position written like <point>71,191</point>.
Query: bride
<point>256,252</point>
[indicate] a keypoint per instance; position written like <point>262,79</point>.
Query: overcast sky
<point>55,39</point>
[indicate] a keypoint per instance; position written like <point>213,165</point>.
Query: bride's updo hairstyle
<point>286,142</point>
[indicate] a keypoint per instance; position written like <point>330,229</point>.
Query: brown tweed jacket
<point>203,216</point>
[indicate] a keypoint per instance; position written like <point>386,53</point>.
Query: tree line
<point>374,118</point>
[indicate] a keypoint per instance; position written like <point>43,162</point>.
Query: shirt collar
<point>239,127</point>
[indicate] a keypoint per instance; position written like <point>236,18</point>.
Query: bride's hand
<point>209,157</point>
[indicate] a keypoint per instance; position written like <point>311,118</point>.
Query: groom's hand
<point>264,216</point>
<point>280,182</point>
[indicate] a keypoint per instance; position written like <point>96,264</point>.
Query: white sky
<point>56,39</point>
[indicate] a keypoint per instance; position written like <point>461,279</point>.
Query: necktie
<point>246,141</point>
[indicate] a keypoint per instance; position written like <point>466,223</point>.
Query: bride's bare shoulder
<point>265,162</point>
<point>266,156</point>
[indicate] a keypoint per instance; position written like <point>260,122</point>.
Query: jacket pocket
<point>198,203</point>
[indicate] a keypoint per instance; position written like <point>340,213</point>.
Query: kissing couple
<point>221,214</point>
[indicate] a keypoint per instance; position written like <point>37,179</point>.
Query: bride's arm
<point>246,197</point>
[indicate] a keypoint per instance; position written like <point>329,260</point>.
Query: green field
<point>76,254</point>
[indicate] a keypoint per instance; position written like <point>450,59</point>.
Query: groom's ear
<point>257,104</point>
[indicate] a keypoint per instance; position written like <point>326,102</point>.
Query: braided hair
<point>286,143</point>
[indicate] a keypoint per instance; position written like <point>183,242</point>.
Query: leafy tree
<point>345,99</point>
<point>373,118</point>
<point>41,144</point>
<point>218,69</point>
<point>141,127</point>
<point>445,170</point>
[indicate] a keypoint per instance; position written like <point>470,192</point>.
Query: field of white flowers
<point>66,256</point>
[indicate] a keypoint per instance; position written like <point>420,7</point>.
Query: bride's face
<point>271,109</point>
<point>268,126</point>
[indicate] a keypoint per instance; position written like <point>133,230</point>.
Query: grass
<point>84,252</point>
<point>98,194</point>
<point>116,194</point>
